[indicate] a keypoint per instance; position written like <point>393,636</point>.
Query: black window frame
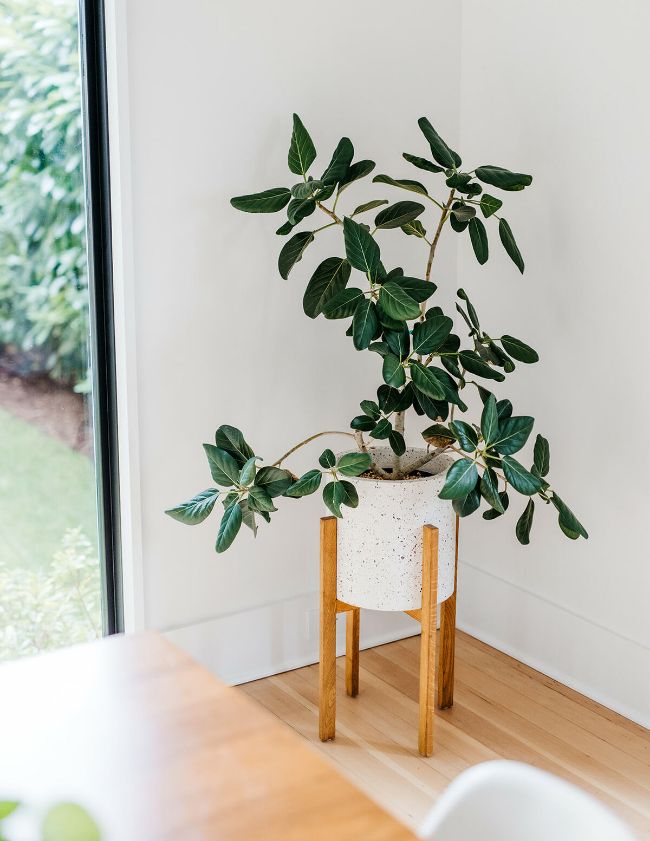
<point>92,40</point>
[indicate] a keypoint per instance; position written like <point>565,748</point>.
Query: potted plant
<point>390,490</point>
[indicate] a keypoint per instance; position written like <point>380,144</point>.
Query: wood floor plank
<point>502,709</point>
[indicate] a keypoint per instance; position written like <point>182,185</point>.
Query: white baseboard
<point>595,661</point>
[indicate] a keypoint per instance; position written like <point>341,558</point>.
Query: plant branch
<point>434,243</point>
<point>425,459</point>
<point>397,460</point>
<point>307,441</point>
<point>329,212</point>
<point>361,444</point>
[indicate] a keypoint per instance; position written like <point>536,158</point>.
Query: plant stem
<point>397,460</point>
<point>434,243</point>
<point>425,459</point>
<point>329,212</point>
<point>361,444</point>
<point>307,441</point>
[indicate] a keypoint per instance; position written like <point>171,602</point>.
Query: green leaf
<point>438,435</point>
<point>382,430</point>
<point>431,334</point>
<point>398,341</point>
<point>259,499</point>
<point>343,304</point>
<point>468,504</point>
<point>524,523</point>
<point>492,514</point>
<point>463,212</point>
<point>567,518</point>
<point>308,484</point>
<point>457,225</point>
<point>327,459</point>
<point>299,209</point>
<point>421,163</point>
<point>230,439</point>
<point>369,407</point>
<point>520,479</point>
<point>361,249</point>
<point>414,229</point>
<point>490,420</point>
<point>428,381</point>
<point>301,152</point>
<point>465,434</point>
<point>519,350</point>
<point>69,822</point>
<point>490,491</point>
<point>513,434</point>
<point>439,149</point>
<point>8,807</point>
<point>340,163</point>
<point>285,229</point>
<point>195,510</point>
<point>349,495</point>
<point>478,236</point>
<point>489,204</point>
<point>364,324</point>
<point>223,467</point>
<point>330,278</point>
<point>354,464</point>
<point>403,183</point>
<point>363,423</point>
<point>461,479</point>
<point>542,456</point>
<point>436,410</point>
<point>497,176</point>
<point>248,516</point>
<point>396,303</point>
<point>357,170</point>
<point>393,371</point>
<point>274,480</point>
<point>398,214</point>
<point>292,252</point>
<point>504,409</point>
<point>510,245</point>
<point>369,205</point>
<point>397,443</point>
<point>306,189</point>
<point>269,201</point>
<point>229,527</point>
<point>472,362</point>
<point>333,497</point>
<point>248,471</point>
<point>418,290</point>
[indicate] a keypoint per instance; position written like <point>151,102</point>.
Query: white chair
<point>511,801</point>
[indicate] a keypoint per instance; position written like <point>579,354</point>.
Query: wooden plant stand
<point>330,606</point>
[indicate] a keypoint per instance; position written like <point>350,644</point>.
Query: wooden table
<point>156,748</point>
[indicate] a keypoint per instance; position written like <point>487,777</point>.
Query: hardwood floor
<point>502,709</point>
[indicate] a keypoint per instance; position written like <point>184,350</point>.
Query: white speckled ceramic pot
<point>379,543</point>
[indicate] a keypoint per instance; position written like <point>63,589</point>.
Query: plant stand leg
<point>447,653</point>
<point>428,638</point>
<point>352,626</point>
<point>327,670</point>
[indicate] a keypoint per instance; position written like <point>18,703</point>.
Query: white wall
<point>559,89</point>
<point>207,90</point>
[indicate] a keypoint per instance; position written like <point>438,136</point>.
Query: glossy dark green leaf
<point>402,183</point>
<point>519,350</point>
<point>428,381</point>
<point>248,516</point>
<point>292,252</point>
<point>421,163</point>
<point>502,178</point>
<point>370,408</point>
<point>327,459</point>
<point>230,439</point>
<point>457,225</point>
<point>259,499</point>
<point>299,209</point>
<point>473,316</point>
<point>567,518</point>
<point>330,278</point>
<point>398,341</point>
<point>340,163</point>
<point>364,324</point>
<point>431,334</point>
<point>489,205</point>
<point>382,430</point>
<point>285,229</point>
<point>442,154</point>
<point>478,236</point>
<point>361,249</point>
<point>395,302</point>
<point>490,491</point>
<point>388,398</point>
<point>513,434</point>
<point>308,484</point>
<point>468,504</point>
<point>393,371</point>
<point>306,189</point>
<point>363,423</point>
<point>463,212</point>
<point>472,362</point>
<point>504,409</point>
<point>542,456</point>
<point>195,510</point>
<point>492,513</point>
<point>397,443</point>
<point>274,480</point>
<point>436,410</point>
<point>418,290</point>
<point>520,479</point>
<point>229,527</point>
<point>355,171</point>
<point>398,214</point>
<point>508,240</point>
<point>414,229</point>
<point>333,497</point>
<point>438,435</point>
<point>458,179</point>
<point>461,479</point>
<point>490,420</point>
<point>349,495</point>
<point>369,205</point>
<point>301,152</point>
<point>269,201</point>
<point>247,473</point>
<point>524,523</point>
<point>405,399</point>
<point>223,467</point>
<point>343,304</point>
<point>465,434</point>
<point>354,464</point>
